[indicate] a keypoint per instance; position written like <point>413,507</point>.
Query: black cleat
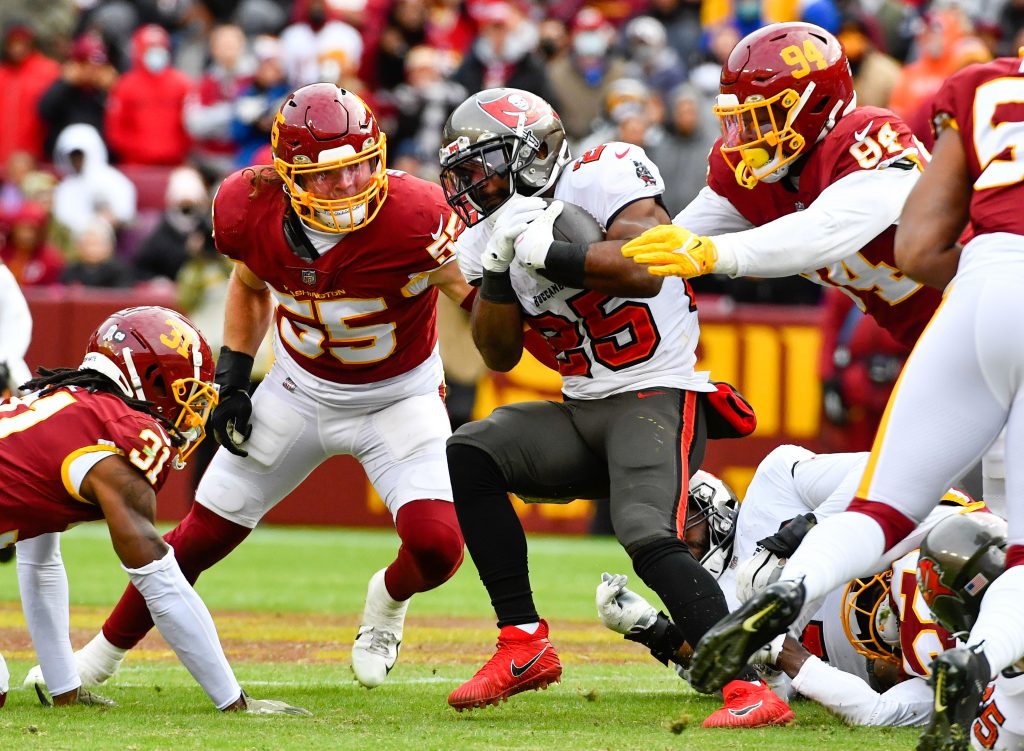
<point>723,652</point>
<point>959,677</point>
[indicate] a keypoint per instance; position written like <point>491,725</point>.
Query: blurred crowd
<point>119,119</point>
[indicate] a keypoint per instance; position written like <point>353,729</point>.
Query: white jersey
<point>605,345</point>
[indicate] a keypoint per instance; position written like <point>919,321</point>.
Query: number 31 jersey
<point>604,345</point>
<point>48,445</point>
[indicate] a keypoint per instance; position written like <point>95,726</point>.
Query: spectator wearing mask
<point>96,265</point>
<point>89,186</point>
<point>682,151</point>
<point>181,231</point>
<point>423,103</point>
<point>584,75</point>
<point>505,53</point>
<point>80,94</point>
<point>209,107</point>
<point>256,108</point>
<point>145,114</point>
<point>32,260</point>
<point>650,58</point>
<point>25,73</point>
<point>320,32</point>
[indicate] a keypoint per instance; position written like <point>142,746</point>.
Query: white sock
<point>999,624</point>
<point>530,628</point>
<point>835,551</point>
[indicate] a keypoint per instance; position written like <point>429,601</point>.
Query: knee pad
<point>430,534</point>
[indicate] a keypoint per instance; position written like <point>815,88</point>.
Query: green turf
<point>600,704</point>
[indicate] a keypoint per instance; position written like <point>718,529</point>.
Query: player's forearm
<point>498,334</point>
<point>247,316</point>
<point>609,272</point>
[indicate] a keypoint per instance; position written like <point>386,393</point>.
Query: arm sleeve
<point>907,704</point>
<point>845,217</point>
<point>44,599</point>
<point>710,213</point>
<point>185,623</point>
<point>15,319</point>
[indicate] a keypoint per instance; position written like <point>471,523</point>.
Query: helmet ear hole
<point>821,105</point>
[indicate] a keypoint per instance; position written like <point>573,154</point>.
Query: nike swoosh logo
<point>750,625</point>
<point>440,229</point>
<point>940,705</point>
<point>746,710</point>
<point>645,394</point>
<point>519,670</point>
<point>860,136</point>
<point>623,154</point>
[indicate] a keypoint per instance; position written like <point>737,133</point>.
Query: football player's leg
<point>532,449</point>
<point>402,450</point>
<point>233,495</point>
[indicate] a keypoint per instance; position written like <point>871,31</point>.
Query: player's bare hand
<point>668,250</point>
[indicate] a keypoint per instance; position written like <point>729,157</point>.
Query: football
<point>576,225</point>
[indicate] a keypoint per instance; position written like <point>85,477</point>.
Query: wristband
<point>496,287</point>
<point>566,263</point>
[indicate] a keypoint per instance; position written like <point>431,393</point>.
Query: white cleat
<point>375,650</point>
<point>95,662</point>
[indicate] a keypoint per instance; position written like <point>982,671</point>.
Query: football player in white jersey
<point>635,415</point>
<point>15,333</point>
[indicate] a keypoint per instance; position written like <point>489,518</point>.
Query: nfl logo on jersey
<point>309,277</point>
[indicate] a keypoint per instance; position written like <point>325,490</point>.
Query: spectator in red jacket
<point>145,109</point>
<point>32,260</point>
<point>25,73</point>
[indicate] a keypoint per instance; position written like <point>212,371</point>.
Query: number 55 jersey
<point>604,345</point>
<point>48,445</point>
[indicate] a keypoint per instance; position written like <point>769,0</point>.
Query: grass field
<point>287,604</point>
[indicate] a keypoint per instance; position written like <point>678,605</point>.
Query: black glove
<point>5,379</point>
<point>785,542</point>
<point>662,637</point>
<point>229,422</point>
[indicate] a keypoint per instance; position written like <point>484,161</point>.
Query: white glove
<point>510,221</point>
<point>271,706</point>
<point>620,609</point>
<point>532,246</point>
<point>753,575</point>
<point>768,655</point>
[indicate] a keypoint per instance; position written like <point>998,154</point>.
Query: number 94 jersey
<point>48,445</point>
<point>605,345</point>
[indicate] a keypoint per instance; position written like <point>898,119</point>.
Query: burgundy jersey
<point>40,441</point>
<point>363,311</point>
<point>986,103</point>
<point>863,140</point>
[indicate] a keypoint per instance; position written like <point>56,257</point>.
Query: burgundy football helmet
<point>496,144</point>
<point>325,139</point>
<point>158,355</point>
<point>783,87</point>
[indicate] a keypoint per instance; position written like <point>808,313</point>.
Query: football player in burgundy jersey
<point>635,415</point>
<point>98,442</point>
<point>344,259</point>
<point>972,341</point>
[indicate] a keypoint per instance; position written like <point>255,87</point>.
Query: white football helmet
<point>713,501</point>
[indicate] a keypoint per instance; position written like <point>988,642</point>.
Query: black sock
<point>494,535</point>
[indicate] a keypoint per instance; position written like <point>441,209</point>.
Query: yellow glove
<point>668,250</point>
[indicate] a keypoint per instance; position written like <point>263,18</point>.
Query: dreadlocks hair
<point>49,381</point>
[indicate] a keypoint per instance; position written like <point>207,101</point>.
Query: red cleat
<point>523,662</point>
<point>749,705</point>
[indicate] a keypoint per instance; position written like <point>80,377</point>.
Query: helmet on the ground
<point>157,355</point>
<point>323,135</point>
<point>711,500</point>
<point>960,557</point>
<point>871,624</point>
<point>783,87</point>
<point>496,144</point>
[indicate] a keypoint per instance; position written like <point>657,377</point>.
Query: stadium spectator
<point>25,73</point>
<point>920,79</point>
<point>320,32</point>
<point>33,261</point>
<point>682,151</point>
<point>553,39</point>
<point>404,29</point>
<point>180,233</point>
<point>707,74</point>
<point>80,94</point>
<point>650,58</point>
<point>254,110</point>
<point>89,186</point>
<point>38,187</point>
<point>12,194</point>
<point>145,108</point>
<point>681,19</point>
<point>582,77</point>
<point>94,263</point>
<point>505,53</point>
<point>209,107</point>
<point>874,73</point>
